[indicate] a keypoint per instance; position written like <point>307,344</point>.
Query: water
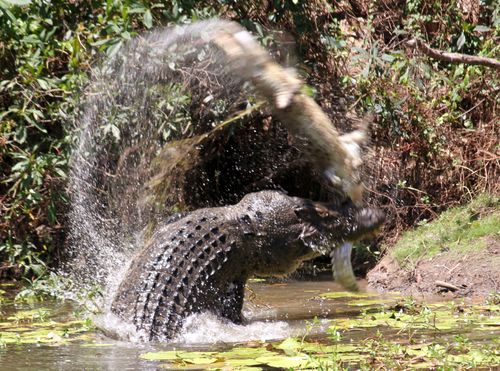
<point>274,312</point>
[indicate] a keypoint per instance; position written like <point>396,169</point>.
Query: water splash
<point>160,88</point>
<point>207,328</point>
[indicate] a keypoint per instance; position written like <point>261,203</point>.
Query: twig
<point>447,285</point>
<point>5,267</point>
<point>453,57</point>
<point>455,267</point>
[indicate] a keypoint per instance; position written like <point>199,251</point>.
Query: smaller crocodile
<point>202,260</point>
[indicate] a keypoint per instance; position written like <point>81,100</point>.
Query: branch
<point>447,285</point>
<point>453,57</point>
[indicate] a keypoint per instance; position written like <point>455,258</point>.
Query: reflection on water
<point>46,336</point>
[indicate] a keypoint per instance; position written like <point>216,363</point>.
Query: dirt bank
<point>476,273</point>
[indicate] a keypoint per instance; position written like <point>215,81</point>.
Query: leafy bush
<point>436,128</point>
<point>46,52</point>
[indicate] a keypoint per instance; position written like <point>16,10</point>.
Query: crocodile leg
<point>233,301</point>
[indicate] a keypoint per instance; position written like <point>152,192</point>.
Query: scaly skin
<point>202,261</point>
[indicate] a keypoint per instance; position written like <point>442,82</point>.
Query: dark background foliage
<point>434,137</point>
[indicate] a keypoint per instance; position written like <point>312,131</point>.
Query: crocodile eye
<point>322,212</point>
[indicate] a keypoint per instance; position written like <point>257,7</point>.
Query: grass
<point>457,230</point>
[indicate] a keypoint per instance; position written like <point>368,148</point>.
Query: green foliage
<point>45,286</point>
<point>457,230</point>
<point>434,113</point>
<point>46,50</point>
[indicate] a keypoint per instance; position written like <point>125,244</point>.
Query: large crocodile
<point>202,260</point>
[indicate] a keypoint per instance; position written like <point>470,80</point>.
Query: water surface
<point>51,335</point>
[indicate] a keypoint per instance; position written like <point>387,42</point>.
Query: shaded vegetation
<point>435,135</point>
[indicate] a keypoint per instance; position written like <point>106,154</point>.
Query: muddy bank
<point>471,274</point>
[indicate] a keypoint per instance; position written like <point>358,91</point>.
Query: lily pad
<point>283,361</point>
<point>345,294</point>
<point>369,302</point>
<point>97,345</point>
<point>319,348</point>
<point>175,355</point>
<point>241,352</point>
<point>29,314</point>
<point>289,345</point>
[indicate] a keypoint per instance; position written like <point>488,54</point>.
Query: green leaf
<point>387,57</point>
<point>345,294</point>
<point>21,134</point>
<point>38,126</point>
<point>115,131</point>
<point>18,2</point>
<point>368,302</point>
<point>289,345</point>
<point>61,173</point>
<point>113,49</point>
<point>461,41</point>
<point>148,19</point>
<point>481,28</point>
<point>283,361</point>
<point>174,355</point>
